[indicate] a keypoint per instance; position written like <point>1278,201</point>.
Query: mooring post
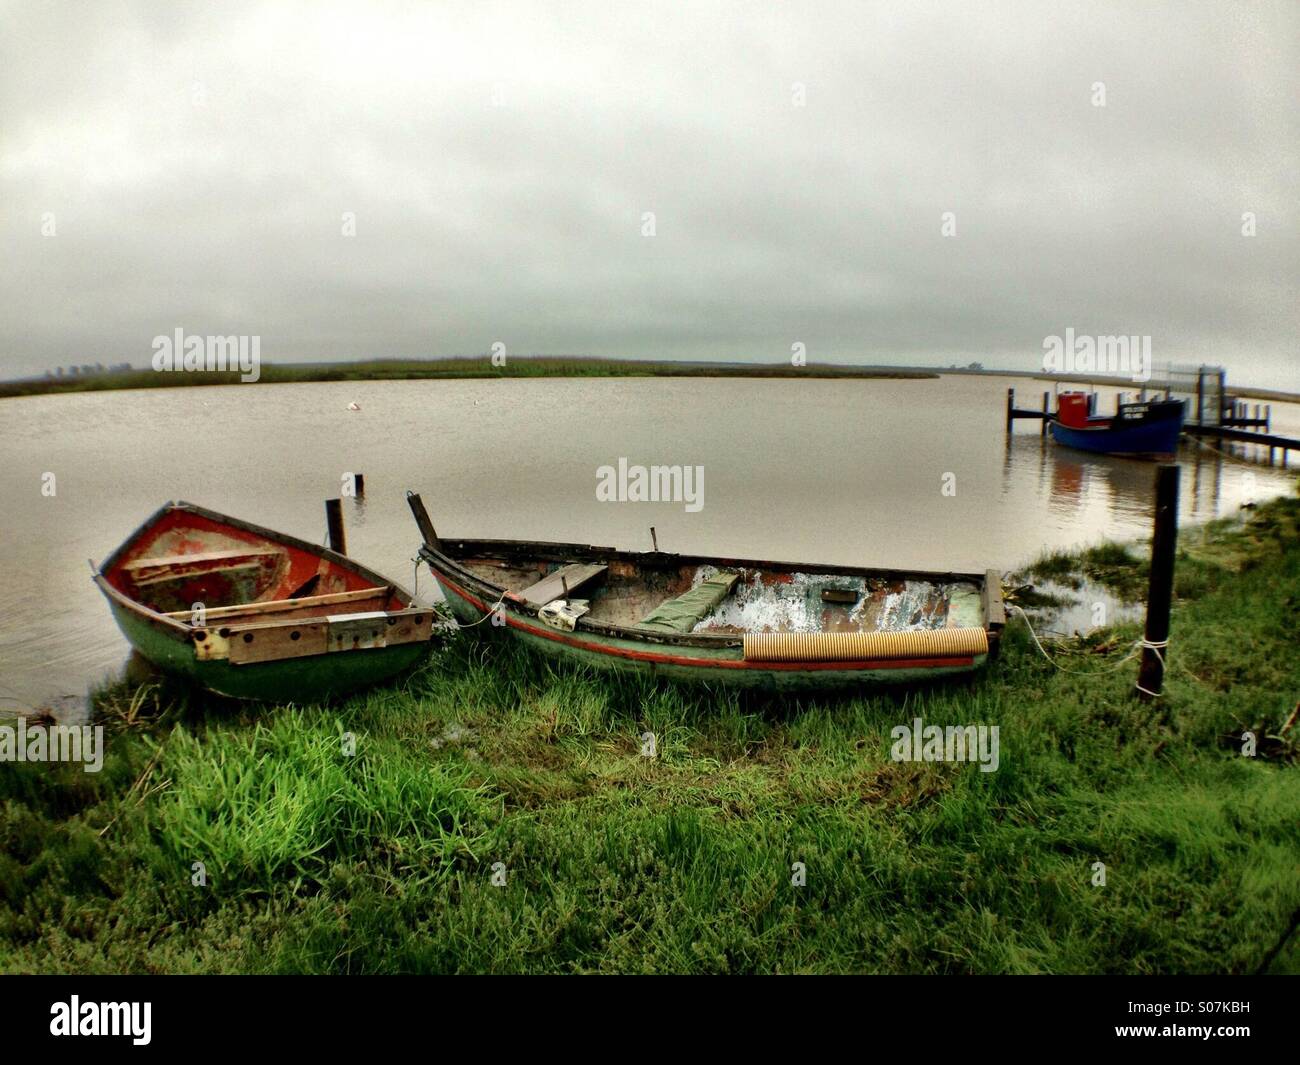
<point>1160,590</point>
<point>359,485</point>
<point>1046,414</point>
<point>427,531</point>
<point>1011,405</point>
<point>334,522</point>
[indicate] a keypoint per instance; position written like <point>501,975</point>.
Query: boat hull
<point>1143,438</point>
<point>262,642</point>
<point>724,665</point>
<point>290,680</point>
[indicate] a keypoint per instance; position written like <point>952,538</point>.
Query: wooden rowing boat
<point>775,625</point>
<point>255,614</point>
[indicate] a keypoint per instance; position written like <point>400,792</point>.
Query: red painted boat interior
<point>186,558</point>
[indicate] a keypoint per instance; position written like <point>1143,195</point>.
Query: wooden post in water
<point>334,521</point>
<point>1011,405</point>
<point>359,485</point>
<point>1160,591</point>
<point>1046,412</point>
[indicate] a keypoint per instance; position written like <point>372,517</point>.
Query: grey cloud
<point>775,223</point>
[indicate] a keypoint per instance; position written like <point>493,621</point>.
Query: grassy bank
<point>424,369</point>
<point>383,861</point>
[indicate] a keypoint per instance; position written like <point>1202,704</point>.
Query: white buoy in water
<point>353,406</point>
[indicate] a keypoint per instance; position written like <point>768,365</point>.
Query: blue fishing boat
<point>1148,428</point>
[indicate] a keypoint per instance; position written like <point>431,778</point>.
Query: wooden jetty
<point>1213,414</point>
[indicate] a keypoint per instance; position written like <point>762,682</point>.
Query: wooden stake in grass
<point>1160,591</point>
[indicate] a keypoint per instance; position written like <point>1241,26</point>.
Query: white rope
<point>452,622</point>
<point>484,618</point>
<point>1136,648</point>
<point>1158,646</point>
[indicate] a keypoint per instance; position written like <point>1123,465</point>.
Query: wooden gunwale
<point>183,630</point>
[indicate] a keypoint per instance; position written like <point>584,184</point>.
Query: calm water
<point>829,471</point>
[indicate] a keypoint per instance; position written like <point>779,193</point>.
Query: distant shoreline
<point>480,367</point>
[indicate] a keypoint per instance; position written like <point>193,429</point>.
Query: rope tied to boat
<point>1134,651</point>
<point>452,622</point>
<point>491,610</point>
<point>1139,645</point>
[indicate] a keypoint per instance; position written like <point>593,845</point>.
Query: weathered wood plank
<point>268,643</point>
<point>561,583</point>
<point>275,606</point>
<point>198,558</point>
<point>357,632</point>
<point>995,611</point>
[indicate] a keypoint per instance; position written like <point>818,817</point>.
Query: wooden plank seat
<point>561,583</point>
<point>152,570</point>
<point>312,603</point>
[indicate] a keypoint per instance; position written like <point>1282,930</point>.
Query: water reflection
<point>1073,485</point>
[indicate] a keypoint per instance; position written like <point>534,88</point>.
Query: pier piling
<point>334,522</point>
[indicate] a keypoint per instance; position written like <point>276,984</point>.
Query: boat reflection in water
<point>1111,496</point>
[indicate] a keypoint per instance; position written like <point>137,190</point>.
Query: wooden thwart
<point>561,584</point>
<point>275,606</point>
<point>198,558</point>
<point>146,571</point>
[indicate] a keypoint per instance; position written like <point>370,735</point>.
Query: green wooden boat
<point>254,614</point>
<point>740,622</point>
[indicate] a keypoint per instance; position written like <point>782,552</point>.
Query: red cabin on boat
<point>1074,409</point>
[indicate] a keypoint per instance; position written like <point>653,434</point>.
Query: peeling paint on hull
<point>724,665</point>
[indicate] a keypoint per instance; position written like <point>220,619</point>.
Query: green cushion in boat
<point>683,613</point>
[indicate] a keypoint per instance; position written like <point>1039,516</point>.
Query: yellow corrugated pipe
<point>845,646</point>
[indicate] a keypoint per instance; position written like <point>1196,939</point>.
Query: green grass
<point>383,860</point>
<point>460,367</point>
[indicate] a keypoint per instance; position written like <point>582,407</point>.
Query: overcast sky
<point>499,159</point>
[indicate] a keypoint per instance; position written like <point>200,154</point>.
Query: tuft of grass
<point>284,803</point>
